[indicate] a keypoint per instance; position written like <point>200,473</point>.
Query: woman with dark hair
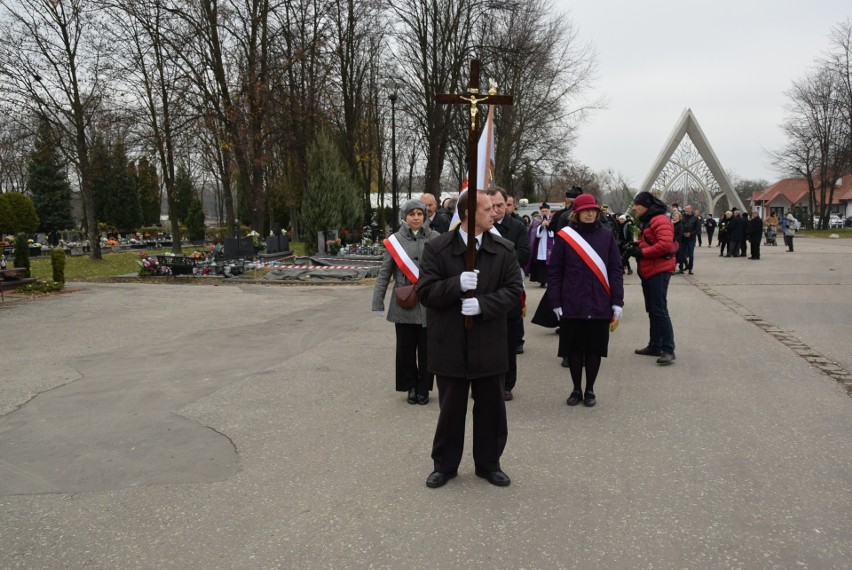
<point>586,290</point>
<point>403,251</point>
<point>655,257</point>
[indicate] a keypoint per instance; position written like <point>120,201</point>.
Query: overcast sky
<point>729,61</point>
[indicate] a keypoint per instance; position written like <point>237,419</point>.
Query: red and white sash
<point>405,263</point>
<point>587,254</point>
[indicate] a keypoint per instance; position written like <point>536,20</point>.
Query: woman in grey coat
<point>412,374</point>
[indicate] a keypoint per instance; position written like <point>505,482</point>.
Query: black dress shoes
<point>422,399</point>
<point>649,351</point>
<point>666,358</point>
<point>412,396</point>
<point>437,479</point>
<point>575,398</point>
<point>494,477</point>
<point>589,399</point>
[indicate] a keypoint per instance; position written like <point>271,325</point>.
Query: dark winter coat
<point>572,286</point>
<point>481,351</point>
<point>710,225</point>
<point>737,229</point>
<point>655,241</point>
<point>691,227</point>
<point>514,230</point>
<point>440,223</point>
<point>754,230</point>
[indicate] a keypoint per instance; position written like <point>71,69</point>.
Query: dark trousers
<point>687,250</point>
<point>755,247</point>
<point>788,241</point>
<point>512,348</point>
<point>411,370</point>
<point>490,429</point>
<point>723,243</point>
<point>655,291</point>
<point>698,236</point>
<point>709,238</point>
<point>734,247</point>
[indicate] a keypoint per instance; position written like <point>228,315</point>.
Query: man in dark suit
<point>515,231</point>
<point>437,221</point>
<point>469,361</point>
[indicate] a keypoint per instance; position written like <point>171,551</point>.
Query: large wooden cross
<point>473,99</point>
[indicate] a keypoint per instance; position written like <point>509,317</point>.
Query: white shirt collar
<point>464,238</point>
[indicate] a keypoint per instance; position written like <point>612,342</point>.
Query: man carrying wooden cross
<point>469,281</point>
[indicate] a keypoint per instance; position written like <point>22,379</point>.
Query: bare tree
<point>817,136</point>
<point>434,41</point>
<point>538,58</point>
<point>15,146</point>
<point>839,62</point>
<point>145,31</point>
<point>51,59</point>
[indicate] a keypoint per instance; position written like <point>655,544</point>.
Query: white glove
<point>468,280</point>
<point>470,307</point>
<point>616,312</point>
<point>558,312</point>
<point>379,313</point>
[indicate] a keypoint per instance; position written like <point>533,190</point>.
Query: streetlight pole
<point>394,205</point>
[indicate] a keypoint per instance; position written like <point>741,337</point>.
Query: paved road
<point>247,426</point>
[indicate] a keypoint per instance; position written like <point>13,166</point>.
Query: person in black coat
<point>561,218</point>
<point>437,221</point>
<point>736,234</point>
<point>677,224</point>
<point>469,361</point>
<point>755,234</point>
<point>710,226</point>
<point>515,231</point>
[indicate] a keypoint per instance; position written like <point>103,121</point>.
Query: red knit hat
<point>585,202</point>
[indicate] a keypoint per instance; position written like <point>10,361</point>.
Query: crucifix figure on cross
<point>473,99</point>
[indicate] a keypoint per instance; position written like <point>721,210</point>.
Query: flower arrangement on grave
<point>149,266</point>
<point>332,246</point>
<point>259,244</point>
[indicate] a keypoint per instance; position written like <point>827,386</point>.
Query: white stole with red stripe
<point>405,263</point>
<point>587,254</point>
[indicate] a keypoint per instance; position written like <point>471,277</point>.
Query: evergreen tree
<point>332,199</point>
<point>148,186</point>
<point>17,214</point>
<point>195,220</point>
<point>7,219</point>
<point>129,215</point>
<point>114,186</point>
<point>47,181</point>
<point>100,173</point>
<point>184,192</point>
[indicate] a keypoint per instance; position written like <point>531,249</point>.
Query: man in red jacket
<point>655,258</point>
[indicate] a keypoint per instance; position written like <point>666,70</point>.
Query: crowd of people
<point>474,304</point>
<point>458,314</point>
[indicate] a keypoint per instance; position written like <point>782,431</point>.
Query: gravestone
<point>238,248</point>
<point>277,243</point>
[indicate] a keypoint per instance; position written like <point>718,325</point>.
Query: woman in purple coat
<point>586,289</point>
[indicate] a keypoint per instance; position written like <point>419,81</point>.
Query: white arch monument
<point>680,161</point>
